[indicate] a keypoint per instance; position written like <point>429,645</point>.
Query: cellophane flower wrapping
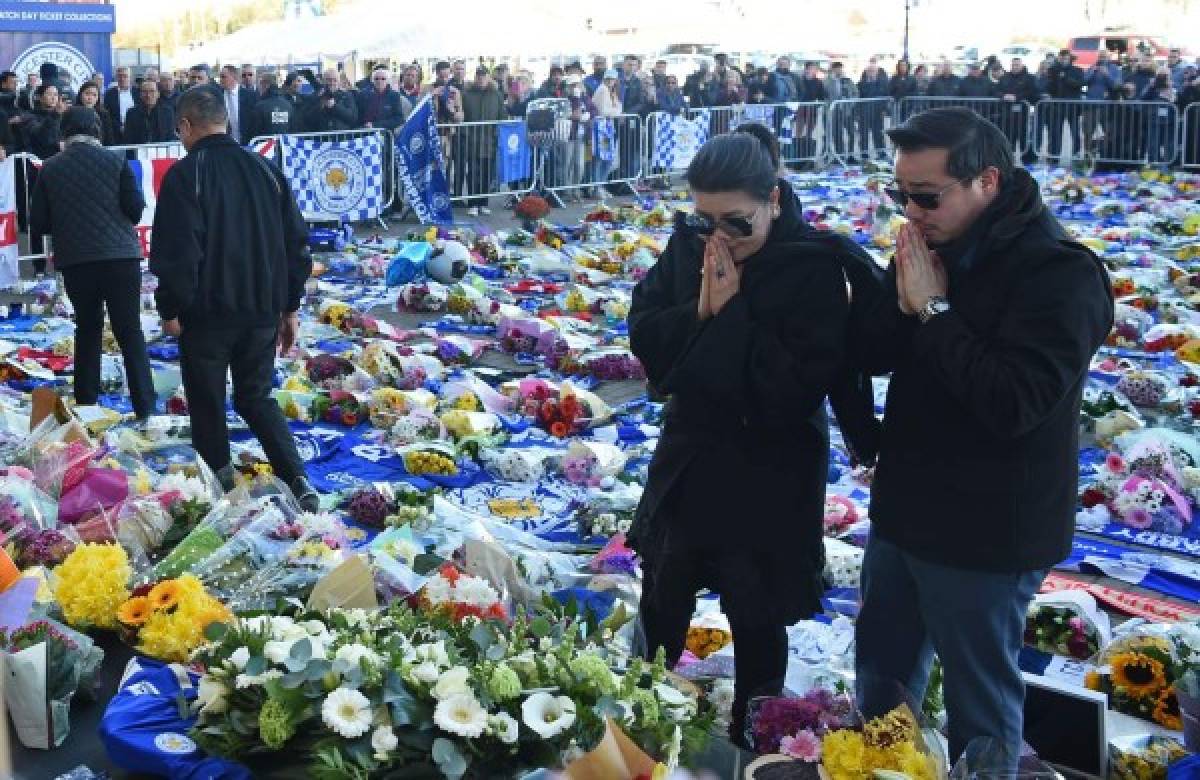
<point>46,665</point>
<point>1067,623</point>
<point>1141,667</point>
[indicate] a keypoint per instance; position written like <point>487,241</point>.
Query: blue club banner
<point>421,166</point>
<point>336,178</point>
<point>57,17</point>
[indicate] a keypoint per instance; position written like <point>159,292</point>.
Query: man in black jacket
<point>231,261</point>
<point>274,114</point>
<point>381,106</point>
<point>1019,90</point>
<point>1064,82</point>
<point>239,105</point>
<point>331,109</point>
<point>152,120</point>
<point>119,100</point>
<point>87,200</point>
<point>989,326</point>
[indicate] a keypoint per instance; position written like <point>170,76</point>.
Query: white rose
<point>383,741</point>
<point>240,657</point>
<point>452,683</point>
<point>277,652</point>
<point>212,696</point>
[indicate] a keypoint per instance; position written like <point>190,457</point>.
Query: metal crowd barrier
<point>30,246</point>
<point>1013,117</point>
<point>870,117</point>
<point>1120,132</point>
<point>172,150</point>
<point>273,148</point>
<point>471,153</point>
<point>1190,136</point>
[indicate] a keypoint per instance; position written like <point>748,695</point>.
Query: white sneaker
<point>473,212</point>
<point>484,210</point>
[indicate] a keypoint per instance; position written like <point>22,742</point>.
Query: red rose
<point>1093,497</point>
<point>559,430</point>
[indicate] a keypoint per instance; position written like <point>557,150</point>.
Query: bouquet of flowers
<point>892,743</point>
<point>340,408</point>
<point>1139,670</point>
<point>1143,491</point>
<point>47,664</point>
<point>27,525</point>
<point>605,364</point>
<point>400,367</point>
<point>388,404</point>
<point>430,458</point>
<point>330,372</point>
<point>795,726</point>
<point>167,619</point>
<point>1143,758</point>
<point>1067,623</point>
<point>91,584</point>
<point>423,296</point>
<point>335,314</point>
<point>532,207</point>
<point>840,514</point>
<point>590,463</point>
<point>419,425</point>
<point>461,595</point>
<point>418,693</point>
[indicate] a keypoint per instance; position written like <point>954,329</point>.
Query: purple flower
<point>1079,647</point>
<point>368,507</point>
<point>44,548</point>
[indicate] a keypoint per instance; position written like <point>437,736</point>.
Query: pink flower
<point>1138,518</point>
<point>1076,624</point>
<point>805,746</point>
<point>1115,463</point>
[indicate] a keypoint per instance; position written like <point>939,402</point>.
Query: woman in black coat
<point>89,97</point>
<point>743,324</point>
<point>902,84</point>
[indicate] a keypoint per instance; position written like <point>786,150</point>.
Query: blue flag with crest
<point>421,166</point>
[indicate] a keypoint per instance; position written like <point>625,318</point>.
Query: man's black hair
<point>8,74</point>
<point>734,162</point>
<point>441,65</point>
<point>973,143</point>
<point>202,67</point>
<point>203,108</point>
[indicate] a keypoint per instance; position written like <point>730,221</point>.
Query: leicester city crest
<point>338,180</point>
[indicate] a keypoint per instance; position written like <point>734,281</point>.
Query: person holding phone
<point>742,324</point>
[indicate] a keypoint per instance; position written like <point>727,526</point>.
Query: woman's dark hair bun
<point>746,160</point>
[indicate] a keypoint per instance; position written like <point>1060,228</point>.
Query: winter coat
<point>146,126</point>
<point>901,87</point>
<point>387,110</point>
<point>874,87</point>
<point>1102,81</point>
<point>343,115</point>
<point>743,456</point>
<point>979,461</point>
<point>944,86</point>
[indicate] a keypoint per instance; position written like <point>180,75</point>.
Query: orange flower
<point>135,611</point>
<point>559,429</point>
<point>449,573</point>
<point>569,406</point>
<point>1166,711</point>
<point>164,595</point>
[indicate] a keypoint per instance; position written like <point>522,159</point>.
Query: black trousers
<point>248,353</point>
<point>115,285</point>
<point>668,600</point>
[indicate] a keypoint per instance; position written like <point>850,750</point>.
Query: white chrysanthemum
<point>314,627</point>
<point>452,682</point>
<point>347,713</point>
<point>383,741</point>
<point>212,695</point>
<point>505,728</point>
<point>283,627</point>
<point>432,651</point>
<point>426,672</point>
<point>188,488</point>
<point>249,680</point>
<point>355,654</point>
<point>475,591</point>
<point>240,657</point>
<point>461,715</point>
<point>548,715</point>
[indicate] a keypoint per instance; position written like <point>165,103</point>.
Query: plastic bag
<point>1067,623</point>
<point>408,264</point>
<point>96,489</point>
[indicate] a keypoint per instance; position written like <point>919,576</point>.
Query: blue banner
<point>421,167</point>
<point>57,17</point>
<point>513,155</point>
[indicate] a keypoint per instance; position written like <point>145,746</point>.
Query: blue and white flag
<point>677,139</point>
<point>421,166</point>
<point>343,179</point>
<point>514,158</point>
<point>604,140</point>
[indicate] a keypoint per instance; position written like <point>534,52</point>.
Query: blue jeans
<point>974,620</point>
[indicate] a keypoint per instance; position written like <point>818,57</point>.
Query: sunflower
<point>1092,681</point>
<point>135,611</point>
<point>164,595</point>
<point>1166,711</point>
<point>1136,675</point>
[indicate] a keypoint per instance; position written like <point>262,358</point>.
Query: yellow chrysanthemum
<point>1138,676</point>
<point>843,754</point>
<point>91,585</point>
<point>173,636</point>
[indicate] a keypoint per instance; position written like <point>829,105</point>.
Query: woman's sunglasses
<point>926,201</point>
<point>702,225</point>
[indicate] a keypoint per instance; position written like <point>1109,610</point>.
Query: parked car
<point>1085,48</point>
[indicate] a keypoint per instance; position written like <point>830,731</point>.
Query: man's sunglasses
<point>927,201</point>
<point>704,226</point>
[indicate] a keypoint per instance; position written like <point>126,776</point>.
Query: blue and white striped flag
<point>342,179</point>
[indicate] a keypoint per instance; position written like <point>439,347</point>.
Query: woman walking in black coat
<point>743,324</point>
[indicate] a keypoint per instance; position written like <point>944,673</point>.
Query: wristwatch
<point>933,307</point>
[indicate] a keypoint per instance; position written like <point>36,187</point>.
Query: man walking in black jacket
<point>989,325</point>
<point>230,256</point>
